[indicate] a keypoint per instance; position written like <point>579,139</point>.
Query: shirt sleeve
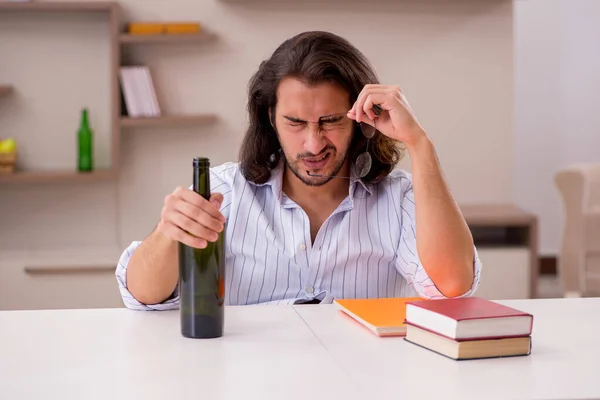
<point>408,262</point>
<point>219,182</point>
<point>172,303</point>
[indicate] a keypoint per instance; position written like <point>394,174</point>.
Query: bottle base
<point>202,327</point>
<point>190,336</point>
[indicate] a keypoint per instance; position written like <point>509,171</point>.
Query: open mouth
<point>317,162</point>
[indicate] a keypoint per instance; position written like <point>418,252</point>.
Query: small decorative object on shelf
<point>169,121</point>
<point>8,156</point>
<point>85,142</point>
<point>159,28</point>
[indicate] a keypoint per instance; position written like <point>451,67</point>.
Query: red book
<point>469,318</point>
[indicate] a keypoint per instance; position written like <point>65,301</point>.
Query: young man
<point>304,222</point>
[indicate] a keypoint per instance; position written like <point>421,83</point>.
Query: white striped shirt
<point>366,248</point>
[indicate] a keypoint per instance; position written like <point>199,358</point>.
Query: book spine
<point>155,108</point>
<point>129,92</point>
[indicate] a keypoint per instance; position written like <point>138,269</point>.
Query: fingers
<point>211,207</point>
<point>358,107</point>
<point>368,107</point>
<point>368,115</point>
<point>175,233</point>
<point>199,216</point>
<point>191,226</point>
<point>217,200</point>
<point>382,95</point>
<point>189,218</point>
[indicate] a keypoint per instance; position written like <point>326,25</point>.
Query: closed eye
<point>327,122</point>
<point>295,120</point>
<point>331,121</point>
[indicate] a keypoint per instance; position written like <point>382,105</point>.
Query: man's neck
<point>335,190</point>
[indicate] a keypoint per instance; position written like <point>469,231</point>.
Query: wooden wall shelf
<point>74,6</point>
<point>172,120</point>
<point>5,89</point>
<point>126,38</point>
<point>57,270</point>
<point>112,13</point>
<point>58,176</point>
<point>117,40</point>
<point>496,215</point>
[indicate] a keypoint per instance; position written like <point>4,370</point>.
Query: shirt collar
<point>275,181</point>
<point>354,179</point>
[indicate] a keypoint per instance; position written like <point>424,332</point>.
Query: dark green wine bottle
<point>202,274</point>
<point>85,143</point>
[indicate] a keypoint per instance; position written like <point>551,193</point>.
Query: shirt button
<point>302,246</point>
<point>310,289</point>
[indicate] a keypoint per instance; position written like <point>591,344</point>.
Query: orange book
<point>145,28</point>
<point>384,317</point>
<point>182,28</point>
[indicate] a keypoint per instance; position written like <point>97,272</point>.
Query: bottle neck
<point>201,181</point>
<point>84,120</point>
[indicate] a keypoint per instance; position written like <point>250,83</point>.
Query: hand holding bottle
<point>189,218</point>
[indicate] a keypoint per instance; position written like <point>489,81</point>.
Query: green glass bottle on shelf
<point>202,274</point>
<point>85,142</point>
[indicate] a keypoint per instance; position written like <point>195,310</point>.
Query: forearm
<point>152,272</point>
<point>444,241</point>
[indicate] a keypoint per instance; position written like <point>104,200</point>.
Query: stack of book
<point>138,92</point>
<point>468,328</point>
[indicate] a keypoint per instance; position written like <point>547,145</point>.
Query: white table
<point>564,363</point>
<point>283,352</point>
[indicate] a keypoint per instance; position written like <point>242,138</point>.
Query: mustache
<point>311,155</point>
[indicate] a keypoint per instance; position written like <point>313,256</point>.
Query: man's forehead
<point>311,102</point>
<point>310,111</point>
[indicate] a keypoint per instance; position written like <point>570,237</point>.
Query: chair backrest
<point>579,189</point>
<point>570,262</point>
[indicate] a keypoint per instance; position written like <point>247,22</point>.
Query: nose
<point>315,142</point>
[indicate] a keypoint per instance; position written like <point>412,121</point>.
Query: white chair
<point>579,257</point>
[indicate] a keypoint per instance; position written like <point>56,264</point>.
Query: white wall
<point>454,60</point>
<point>557,82</point>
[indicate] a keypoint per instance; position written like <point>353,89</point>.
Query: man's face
<point>313,129</point>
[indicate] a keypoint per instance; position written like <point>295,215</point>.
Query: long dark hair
<point>314,57</point>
